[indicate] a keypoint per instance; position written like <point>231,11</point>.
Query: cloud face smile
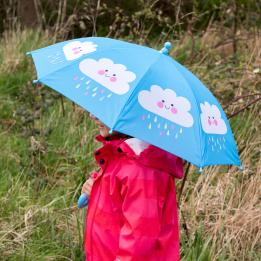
<point>114,77</point>
<point>165,103</point>
<point>211,120</point>
<point>76,49</point>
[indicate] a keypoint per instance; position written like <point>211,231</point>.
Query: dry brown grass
<point>224,201</point>
<point>17,42</point>
<point>227,204</point>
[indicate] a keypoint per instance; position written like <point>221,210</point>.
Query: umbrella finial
<point>165,49</point>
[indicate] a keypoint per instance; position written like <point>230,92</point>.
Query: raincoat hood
<point>146,154</point>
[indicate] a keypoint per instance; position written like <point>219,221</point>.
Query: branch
<point>245,107</point>
<point>240,97</point>
<point>183,183</point>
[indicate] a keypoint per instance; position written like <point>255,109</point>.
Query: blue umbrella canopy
<point>141,92</point>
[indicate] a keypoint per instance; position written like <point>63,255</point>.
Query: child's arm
<point>143,201</point>
<point>87,187</point>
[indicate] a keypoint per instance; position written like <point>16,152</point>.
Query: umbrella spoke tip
<point>35,81</point>
<point>200,170</point>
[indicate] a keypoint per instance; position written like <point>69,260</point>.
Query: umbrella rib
<point>196,102</point>
<point>131,94</point>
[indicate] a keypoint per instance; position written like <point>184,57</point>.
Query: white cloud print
<point>211,120</point>
<point>76,49</point>
<point>114,77</point>
<point>167,104</point>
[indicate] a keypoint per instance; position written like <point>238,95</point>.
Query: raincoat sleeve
<point>143,197</point>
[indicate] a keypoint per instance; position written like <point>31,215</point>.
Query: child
<point>132,211</point>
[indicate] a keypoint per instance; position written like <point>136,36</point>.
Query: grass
<point>46,155</point>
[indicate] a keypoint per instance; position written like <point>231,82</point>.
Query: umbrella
<point>141,92</point>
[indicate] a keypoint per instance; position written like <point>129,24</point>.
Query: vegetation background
<point>47,142</point>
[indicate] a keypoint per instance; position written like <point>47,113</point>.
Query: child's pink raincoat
<point>132,212</point>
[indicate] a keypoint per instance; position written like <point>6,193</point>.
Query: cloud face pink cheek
<point>160,104</point>
<point>174,110</point>
<point>113,79</point>
<point>101,72</point>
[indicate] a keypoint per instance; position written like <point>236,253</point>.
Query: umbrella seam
<point>131,94</point>
<point>196,101</point>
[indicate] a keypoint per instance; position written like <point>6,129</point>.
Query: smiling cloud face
<point>114,77</point>
<point>211,120</point>
<point>76,49</point>
<point>167,104</point>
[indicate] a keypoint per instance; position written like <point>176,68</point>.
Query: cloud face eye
<point>179,114</point>
<point>104,73</point>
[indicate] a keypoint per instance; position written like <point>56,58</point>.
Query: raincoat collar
<point>145,153</point>
<point>111,138</point>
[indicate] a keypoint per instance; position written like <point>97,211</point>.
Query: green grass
<point>45,157</point>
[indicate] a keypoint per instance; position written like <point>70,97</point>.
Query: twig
<point>184,225</point>
<point>63,110</point>
<point>235,7</point>
<point>183,183</point>
<point>240,97</point>
<point>94,18</point>
<point>245,107</point>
